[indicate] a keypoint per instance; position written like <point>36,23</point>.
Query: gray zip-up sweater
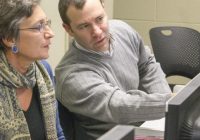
<point>125,86</point>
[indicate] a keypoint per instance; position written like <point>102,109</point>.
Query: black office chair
<point>70,126</point>
<point>177,49</point>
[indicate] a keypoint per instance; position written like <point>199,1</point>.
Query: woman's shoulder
<point>46,64</point>
<point>48,68</point>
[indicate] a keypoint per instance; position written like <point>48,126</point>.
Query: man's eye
<point>83,26</point>
<point>99,19</point>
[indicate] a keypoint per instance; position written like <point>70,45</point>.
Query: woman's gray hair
<point>11,14</point>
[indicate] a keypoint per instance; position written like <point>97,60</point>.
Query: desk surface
<point>148,134</point>
<point>155,124</point>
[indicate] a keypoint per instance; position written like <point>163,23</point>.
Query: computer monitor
<point>119,132</point>
<point>182,120</point>
<point>129,132</point>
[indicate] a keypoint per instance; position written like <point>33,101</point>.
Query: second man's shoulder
<point>121,27</point>
<point>116,22</point>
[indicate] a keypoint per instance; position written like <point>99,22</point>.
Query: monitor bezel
<point>177,108</point>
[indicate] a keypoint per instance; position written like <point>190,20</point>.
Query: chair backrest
<point>177,49</point>
<point>70,126</point>
<point>66,121</point>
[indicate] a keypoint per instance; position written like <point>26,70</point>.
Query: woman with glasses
<point>28,108</point>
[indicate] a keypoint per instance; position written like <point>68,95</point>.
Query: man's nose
<point>96,30</point>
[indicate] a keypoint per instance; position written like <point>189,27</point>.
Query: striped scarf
<point>13,124</point>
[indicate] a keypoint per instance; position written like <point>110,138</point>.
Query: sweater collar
<point>105,53</point>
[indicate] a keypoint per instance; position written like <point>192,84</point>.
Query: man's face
<point>89,26</point>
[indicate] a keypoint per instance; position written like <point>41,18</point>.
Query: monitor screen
<point>182,120</point>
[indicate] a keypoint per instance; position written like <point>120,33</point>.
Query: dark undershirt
<point>34,117</point>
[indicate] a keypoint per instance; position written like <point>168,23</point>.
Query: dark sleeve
<point>60,133</point>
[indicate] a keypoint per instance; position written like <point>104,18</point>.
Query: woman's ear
<point>68,29</point>
<point>8,42</point>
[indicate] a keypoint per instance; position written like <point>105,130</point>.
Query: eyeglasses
<point>40,27</point>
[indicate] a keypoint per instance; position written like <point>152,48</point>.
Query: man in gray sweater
<point>107,77</point>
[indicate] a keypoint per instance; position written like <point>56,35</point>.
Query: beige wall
<point>109,8</point>
<point>59,42</point>
<point>145,14</point>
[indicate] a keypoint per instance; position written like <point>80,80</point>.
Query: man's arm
<point>87,93</point>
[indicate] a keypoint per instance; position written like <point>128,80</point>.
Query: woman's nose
<point>49,33</point>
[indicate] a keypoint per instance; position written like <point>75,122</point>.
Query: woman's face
<point>34,37</point>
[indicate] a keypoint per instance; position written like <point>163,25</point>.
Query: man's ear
<point>68,29</point>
